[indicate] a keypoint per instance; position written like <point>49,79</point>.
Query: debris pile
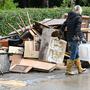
<point>35,46</point>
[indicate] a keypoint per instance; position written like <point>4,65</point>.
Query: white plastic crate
<point>84,52</point>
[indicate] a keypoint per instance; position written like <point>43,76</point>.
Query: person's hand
<point>84,40</point>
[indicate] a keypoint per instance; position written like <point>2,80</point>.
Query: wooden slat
<point>85,29</point>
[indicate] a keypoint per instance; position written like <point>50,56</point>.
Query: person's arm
<point>61,30</point>
<point>78,29</point>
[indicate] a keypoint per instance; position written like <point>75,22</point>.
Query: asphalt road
<point>56,80</point>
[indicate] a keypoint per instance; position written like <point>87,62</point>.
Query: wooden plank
<point>85,20</point>
<point>39,65</point>
<point>45,39</point>
<point>20,68</point>
<point>52,49</point>
<point>15,50</point>
<point>30,50</point>
<point>85,29</point>
<point>36,43</point>
<point>15,59</point>
<point>54,22</point>
<point>56,50</point>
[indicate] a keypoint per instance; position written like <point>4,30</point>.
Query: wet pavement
<point>56,80</point>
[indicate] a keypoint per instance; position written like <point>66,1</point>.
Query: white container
<point>84,52</point>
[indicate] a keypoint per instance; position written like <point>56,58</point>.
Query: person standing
<point>74,36</point>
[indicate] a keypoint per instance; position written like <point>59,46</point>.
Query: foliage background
<point>9,13</point>
<point>36,14</point>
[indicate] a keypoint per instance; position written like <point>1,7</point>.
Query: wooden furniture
<point>30,50</point>
<point>86,31</point>
<point>85,25</point>
<point>38,65</point>
<point>85,20</point>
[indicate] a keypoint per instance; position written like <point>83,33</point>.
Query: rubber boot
<point>70,63</point>
<point>79,67</point>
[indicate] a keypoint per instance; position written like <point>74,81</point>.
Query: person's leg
<point>78,64</point>
<point>75,56</point>
<point>79,67</point>
<point>69,67</point>
<point>71,61</point>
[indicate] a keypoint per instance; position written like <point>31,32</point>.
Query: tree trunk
<point>24,3</point>
<point>46,3</point>
<point>73,3</point>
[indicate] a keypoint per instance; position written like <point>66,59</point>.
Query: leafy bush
<point>7,4</point>
<point>12,16</point>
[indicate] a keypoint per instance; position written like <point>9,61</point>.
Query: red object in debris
<point>4,43</point>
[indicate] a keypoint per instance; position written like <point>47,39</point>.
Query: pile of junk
<point>35,46</point>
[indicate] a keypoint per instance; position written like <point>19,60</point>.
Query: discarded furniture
<point>31,49</point>
<point>45,40</point>
<point>85,20</point>
<point>38,65</point>
<point>86,31</point>
<point>56,50</point>
<point>53,22</point>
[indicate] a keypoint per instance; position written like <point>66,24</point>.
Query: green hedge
<point>12,17</point>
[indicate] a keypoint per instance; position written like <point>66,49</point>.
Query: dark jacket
<point>73,24</point>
